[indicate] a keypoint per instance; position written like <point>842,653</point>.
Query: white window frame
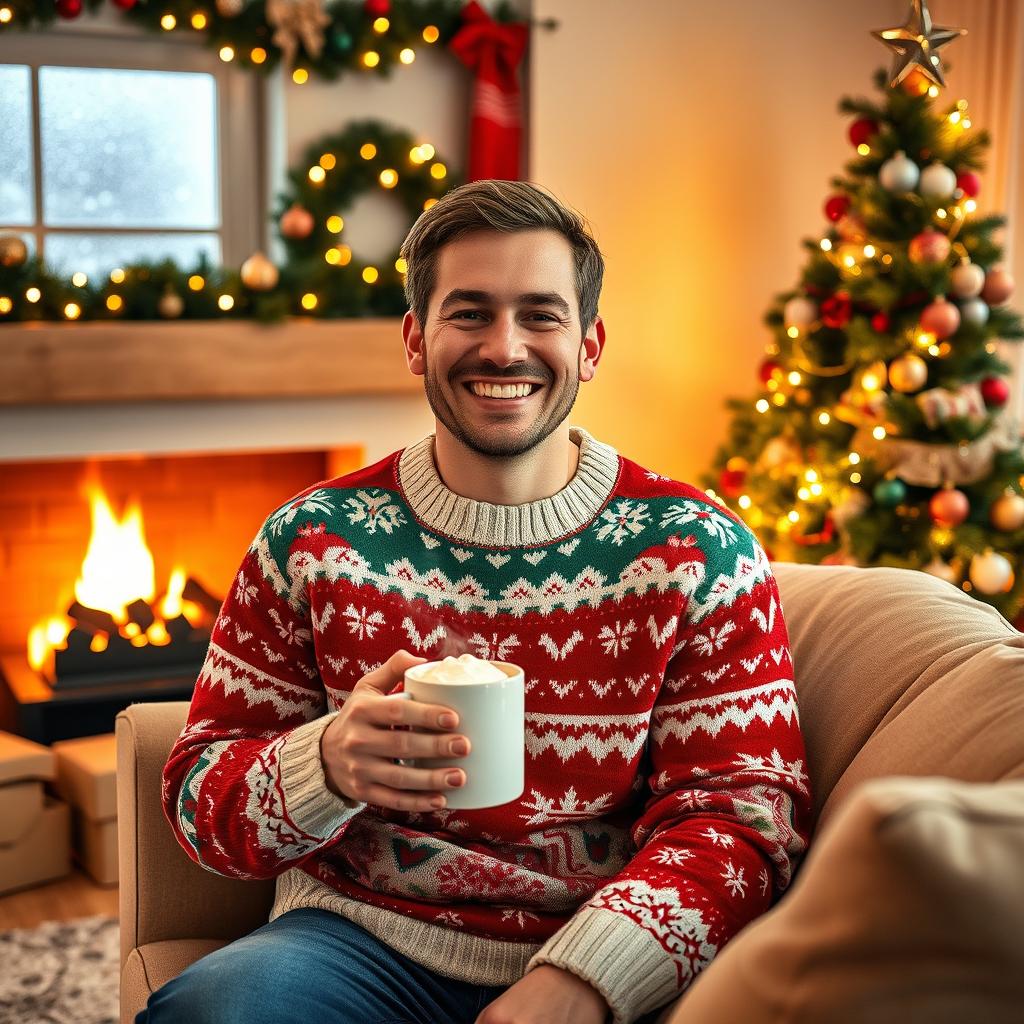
<point>106,41</point>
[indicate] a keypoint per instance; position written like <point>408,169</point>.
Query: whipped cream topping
<point>466,668</point>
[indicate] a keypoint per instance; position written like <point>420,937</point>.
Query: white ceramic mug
<point>492,717</point>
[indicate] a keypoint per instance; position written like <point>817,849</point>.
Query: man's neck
<point>538,473</point>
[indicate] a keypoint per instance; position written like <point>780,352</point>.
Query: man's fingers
<point>384,677</point>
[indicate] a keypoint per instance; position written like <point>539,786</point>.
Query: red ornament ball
<point>377,8</point>
<point>296,222</point>
<point>125,5</point>
<point>836,206</point>
<point>836,310</point>
<point>880,322</point>
<point>998,286</point>
<point>769,369</point>
<point>995,391</point>
<point>930,246</point>
<point>733,476</point>
<point>940,318</point>
<point>861,130</point>
<point>969,183</point>
<point>69,8</point>
<point>949,507</point>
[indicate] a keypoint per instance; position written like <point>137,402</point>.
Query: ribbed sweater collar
<point>536,522</point>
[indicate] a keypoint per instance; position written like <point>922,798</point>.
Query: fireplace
<point>113,569</point>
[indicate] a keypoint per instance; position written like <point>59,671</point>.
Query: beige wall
<point>699,139</point>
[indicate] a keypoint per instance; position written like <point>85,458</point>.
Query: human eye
<point>465,312</point>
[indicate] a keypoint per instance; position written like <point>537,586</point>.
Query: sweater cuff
<point>307,800</point>
<point>623,961</point>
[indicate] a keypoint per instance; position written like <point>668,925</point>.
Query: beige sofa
<point>909,906</point>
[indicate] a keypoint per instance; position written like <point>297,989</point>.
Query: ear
<point>590,350</point>
<point>412,335</point>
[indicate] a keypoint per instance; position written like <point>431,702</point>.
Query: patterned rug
<point>62,972</point>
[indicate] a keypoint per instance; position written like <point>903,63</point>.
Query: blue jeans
<point>312,966</point>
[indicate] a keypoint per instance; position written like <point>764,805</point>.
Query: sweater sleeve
<point>244,788</point>
<point>727,815</point>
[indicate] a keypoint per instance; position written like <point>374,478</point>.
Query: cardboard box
<point>34,826</point>
<point>86,777</point>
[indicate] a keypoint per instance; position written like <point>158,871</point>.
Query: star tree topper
<point>915,44</point>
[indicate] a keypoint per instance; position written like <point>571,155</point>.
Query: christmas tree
<point>881,434</point>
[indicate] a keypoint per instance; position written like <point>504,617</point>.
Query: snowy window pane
<point>16,189</point>
<point>127,148</point>
<point>96,255</point>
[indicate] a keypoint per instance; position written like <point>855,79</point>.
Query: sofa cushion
<point>909,910</point>
<point>149,967</point>
<point>900,673</point>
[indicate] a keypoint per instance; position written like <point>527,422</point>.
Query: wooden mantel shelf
<point>44,363</point>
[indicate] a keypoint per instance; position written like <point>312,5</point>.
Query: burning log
<point>195,592</point>
<point>92,620</point>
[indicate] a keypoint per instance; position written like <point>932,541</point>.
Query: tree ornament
<point>258,273</point>
<point>930,246</point>
<point>836,206</point>
<point>880,322</point>
<point>780,453</point>
<point>969,183</point>
<point>851,228</point>
<point>295,22</point>
<point>836,310</point>
<point>69,8</point>
<point>974,312</point>
<point>940,318</point>
<point>377,8</point>
<point>943,570</point>
<point>770,370</point>
<point>734,476</point>
<point>995,391</point>
<point>800,312</point>
<point>949,507</point>
<point>899,173</point>
<point>124,5</point>
<point>861,131</point>
<point>296,222</point>
<point>170,305</point>
<point>939,404</point>
<point>890,492</point>
<point>1007,512</point>
<point>999,286</point>
<point>229,8</point>
<point>938,182</point>
<point>13,251</point>
<point>908,373</point>
<point>990,572</point>
<point>967,279</point>
<point>915,45</point>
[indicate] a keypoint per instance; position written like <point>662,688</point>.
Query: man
<point>666,803</point>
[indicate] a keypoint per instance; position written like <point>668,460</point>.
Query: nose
<point>504,341</point>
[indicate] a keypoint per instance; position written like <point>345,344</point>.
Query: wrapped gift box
<point>35,829</point>
<point>86,777</point>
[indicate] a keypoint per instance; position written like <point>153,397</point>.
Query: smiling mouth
<point>496,403</point>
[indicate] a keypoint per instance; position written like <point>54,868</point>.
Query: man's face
<point>504,310</point>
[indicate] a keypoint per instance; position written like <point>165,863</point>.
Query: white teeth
<point>501,390</point>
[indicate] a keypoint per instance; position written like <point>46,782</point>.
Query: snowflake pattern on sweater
<point>666,802</point>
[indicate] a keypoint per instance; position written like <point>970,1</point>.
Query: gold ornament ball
<point>170,305</point>
<point>991,572</point>
<point>1007,512</point>
<point>908,373</point>
<point>943,570</point>
<point>13,251</point>
<point>258,273</point>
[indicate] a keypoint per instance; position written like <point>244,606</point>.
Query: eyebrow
<point>457,295</point>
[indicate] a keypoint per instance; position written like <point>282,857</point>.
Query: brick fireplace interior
<point>198,512</point>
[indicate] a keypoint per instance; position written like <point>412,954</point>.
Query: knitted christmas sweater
<point>666,801</point>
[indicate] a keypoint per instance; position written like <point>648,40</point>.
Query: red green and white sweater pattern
<point>666,802</point>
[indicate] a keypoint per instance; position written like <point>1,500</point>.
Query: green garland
<point>338,282</point>
<point>347,37</point>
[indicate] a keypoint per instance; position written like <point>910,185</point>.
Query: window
<point>120,147</point>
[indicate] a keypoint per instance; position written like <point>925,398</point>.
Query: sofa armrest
<point>162,893</point>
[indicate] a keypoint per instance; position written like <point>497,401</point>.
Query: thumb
<point>384,676</point>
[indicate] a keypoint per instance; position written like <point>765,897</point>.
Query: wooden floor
<point>75,895</point>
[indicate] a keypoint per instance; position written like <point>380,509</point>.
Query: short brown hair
<point>499,205</point>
